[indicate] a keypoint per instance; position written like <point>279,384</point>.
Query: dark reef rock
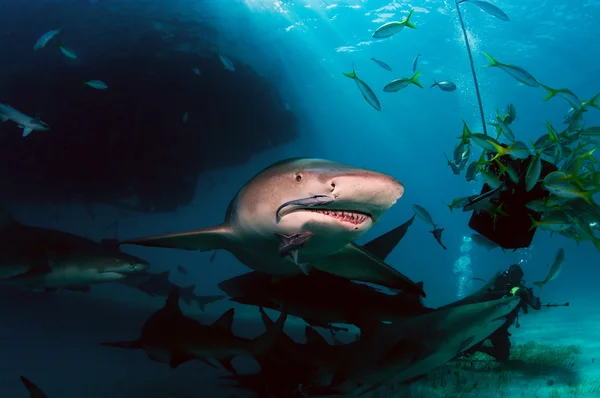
<point>130,140</point>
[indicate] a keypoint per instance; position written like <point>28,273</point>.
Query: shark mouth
<point>352,217</point>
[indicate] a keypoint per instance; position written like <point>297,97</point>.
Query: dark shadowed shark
<point>48,259</point>
<point>169,336</point>
<point>34,391</point>
<point>158,284</point>
<point>332,299</point>
<point>360,198</point>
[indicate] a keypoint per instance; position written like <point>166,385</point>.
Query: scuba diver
<point>507,283</point>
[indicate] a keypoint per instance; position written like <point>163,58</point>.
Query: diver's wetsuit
<point>508,283</point>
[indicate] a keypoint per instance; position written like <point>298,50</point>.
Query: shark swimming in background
<point>27,123</point>
<point>158,284</point>
<point>171,337</point>
<point>48,259</point>
<point>360,198</point>
<point>34,391</point>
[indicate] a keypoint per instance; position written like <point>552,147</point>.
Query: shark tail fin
<point>128,345</point>
<point>204,239</point>
<point>34,391</point>
<point>265,341</point>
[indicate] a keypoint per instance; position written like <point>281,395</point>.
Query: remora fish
<point>290,244</point>
<point>169,336</point>
<point>365,90</point>
<point>48,259</point>
<point>34,391</point>
<point>444,86</point>
<point>158,284</point>
<point>249,230</point>
<point>28,123</point>
<point>313,200</point>
<point>381,63</point>
<point>477,202</point>
<point>555,269</point>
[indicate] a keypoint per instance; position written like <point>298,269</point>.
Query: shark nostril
<point>332,185</point>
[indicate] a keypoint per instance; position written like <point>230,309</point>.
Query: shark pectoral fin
<point>201,239</point>
<point>34,391</point>
<point>37,270</point>
<point>226,363</point>
<point>383,245</point>
<point>177,358</point>
<point>225,321</point>
<point>355,263</point>
<point>26,131</point>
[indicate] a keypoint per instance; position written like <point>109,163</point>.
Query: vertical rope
<point>464,30</point>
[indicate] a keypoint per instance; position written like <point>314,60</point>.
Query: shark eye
<point>298,177</point>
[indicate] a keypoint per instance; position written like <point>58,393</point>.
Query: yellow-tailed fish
<point>457,203</point>
<point>424,215</point>
<point>472,170</point>
<point>517,72</point>
<point>565,93</point>
<point>491,179</point>
<point>391,28</point>
<point>534,169</point>
<point>557,184</point>
<point>401,83</point>
<point>453,166</point>
<point>554,270</point>
<point>550,224</point>
<point>509,170</point>
<point>518,150</point>
<point>505,129</point>
<point>365,90</point>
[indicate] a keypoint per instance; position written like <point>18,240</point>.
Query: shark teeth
<point>345,216</point>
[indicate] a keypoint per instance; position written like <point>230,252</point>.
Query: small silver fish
<point>487,7</point>
<point>382,64</point>
<point>45,39</point>
<point>415,63</point>
<point>68,52</point>
<point>97,84</point>
<point>197,71</point>
<point>366,91</point>
<point>227,63</point>
<point>444,86</point>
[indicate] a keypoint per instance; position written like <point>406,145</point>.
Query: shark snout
<point>369,192</point>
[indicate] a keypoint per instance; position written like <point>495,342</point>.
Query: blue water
<point>302,47</point>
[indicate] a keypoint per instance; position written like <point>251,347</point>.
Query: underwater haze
<point>139,118</point>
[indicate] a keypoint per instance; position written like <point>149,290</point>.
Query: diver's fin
<point>355,263</point>
<point>34,391</point>
<point>200,239</point>
<point>382,246</point>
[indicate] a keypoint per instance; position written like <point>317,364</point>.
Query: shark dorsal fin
<point>172,304</point>
<point>225,321</point>
<point>383,245</point>
<point>34,391</point>
<point>189,289</point>
<point>313,337</point>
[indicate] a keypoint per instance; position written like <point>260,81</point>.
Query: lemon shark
<point>422,344</point>
<point>48,259</point>
<point>277,202</point>
<point>394,353</point>
<point>171,337</point>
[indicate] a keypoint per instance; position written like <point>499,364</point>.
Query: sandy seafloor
<point>53,340</point>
